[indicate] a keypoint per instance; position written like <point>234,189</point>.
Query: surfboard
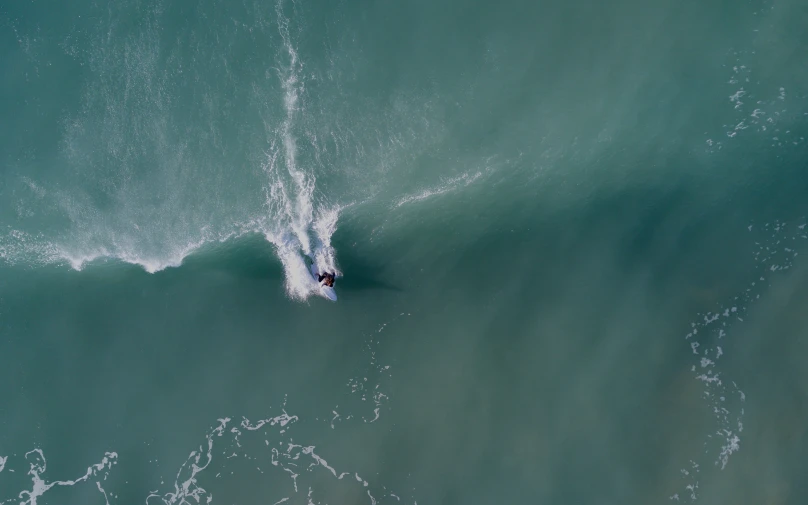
<point>325,291</point>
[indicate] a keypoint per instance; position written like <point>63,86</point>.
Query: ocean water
<point>572,240</point>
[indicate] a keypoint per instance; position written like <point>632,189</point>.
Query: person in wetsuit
<point>326,278</point>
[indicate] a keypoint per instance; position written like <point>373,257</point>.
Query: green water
<point>571,239</point>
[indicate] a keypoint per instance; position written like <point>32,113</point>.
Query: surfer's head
<point>327,279</point>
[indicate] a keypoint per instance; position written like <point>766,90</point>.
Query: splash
<point>324,227</point>
<point>300,232</point>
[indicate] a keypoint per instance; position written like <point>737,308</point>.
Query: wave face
<point>183,135</point>
<point>571,239</point>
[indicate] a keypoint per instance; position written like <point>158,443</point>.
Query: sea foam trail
<point>296,228</point>
<point>723,395</point>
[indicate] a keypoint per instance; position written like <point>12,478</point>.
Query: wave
<point>143,193</point>
<point>178,141</point>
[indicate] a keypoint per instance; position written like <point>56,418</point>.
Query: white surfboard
<point>325,291</point>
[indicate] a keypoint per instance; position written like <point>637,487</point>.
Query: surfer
<point>326,279</point>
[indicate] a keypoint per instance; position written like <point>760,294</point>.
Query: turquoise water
<point>572,241</point>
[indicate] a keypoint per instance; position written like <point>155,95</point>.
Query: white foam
<point>716,390</point>
<point>38,466</point>
<point>732,445</point>
<point>296,226</point>
<point>282,420</point>
<point>297,202</point>
<point>151,264</point>
<point>324,226</point>
<point>189,488</point>
<point>692,488</point>
<point>708,378</point>
<point>38,191</point>
<point>445,186</point>
<point>18,247</point>
<point>299,281</point>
